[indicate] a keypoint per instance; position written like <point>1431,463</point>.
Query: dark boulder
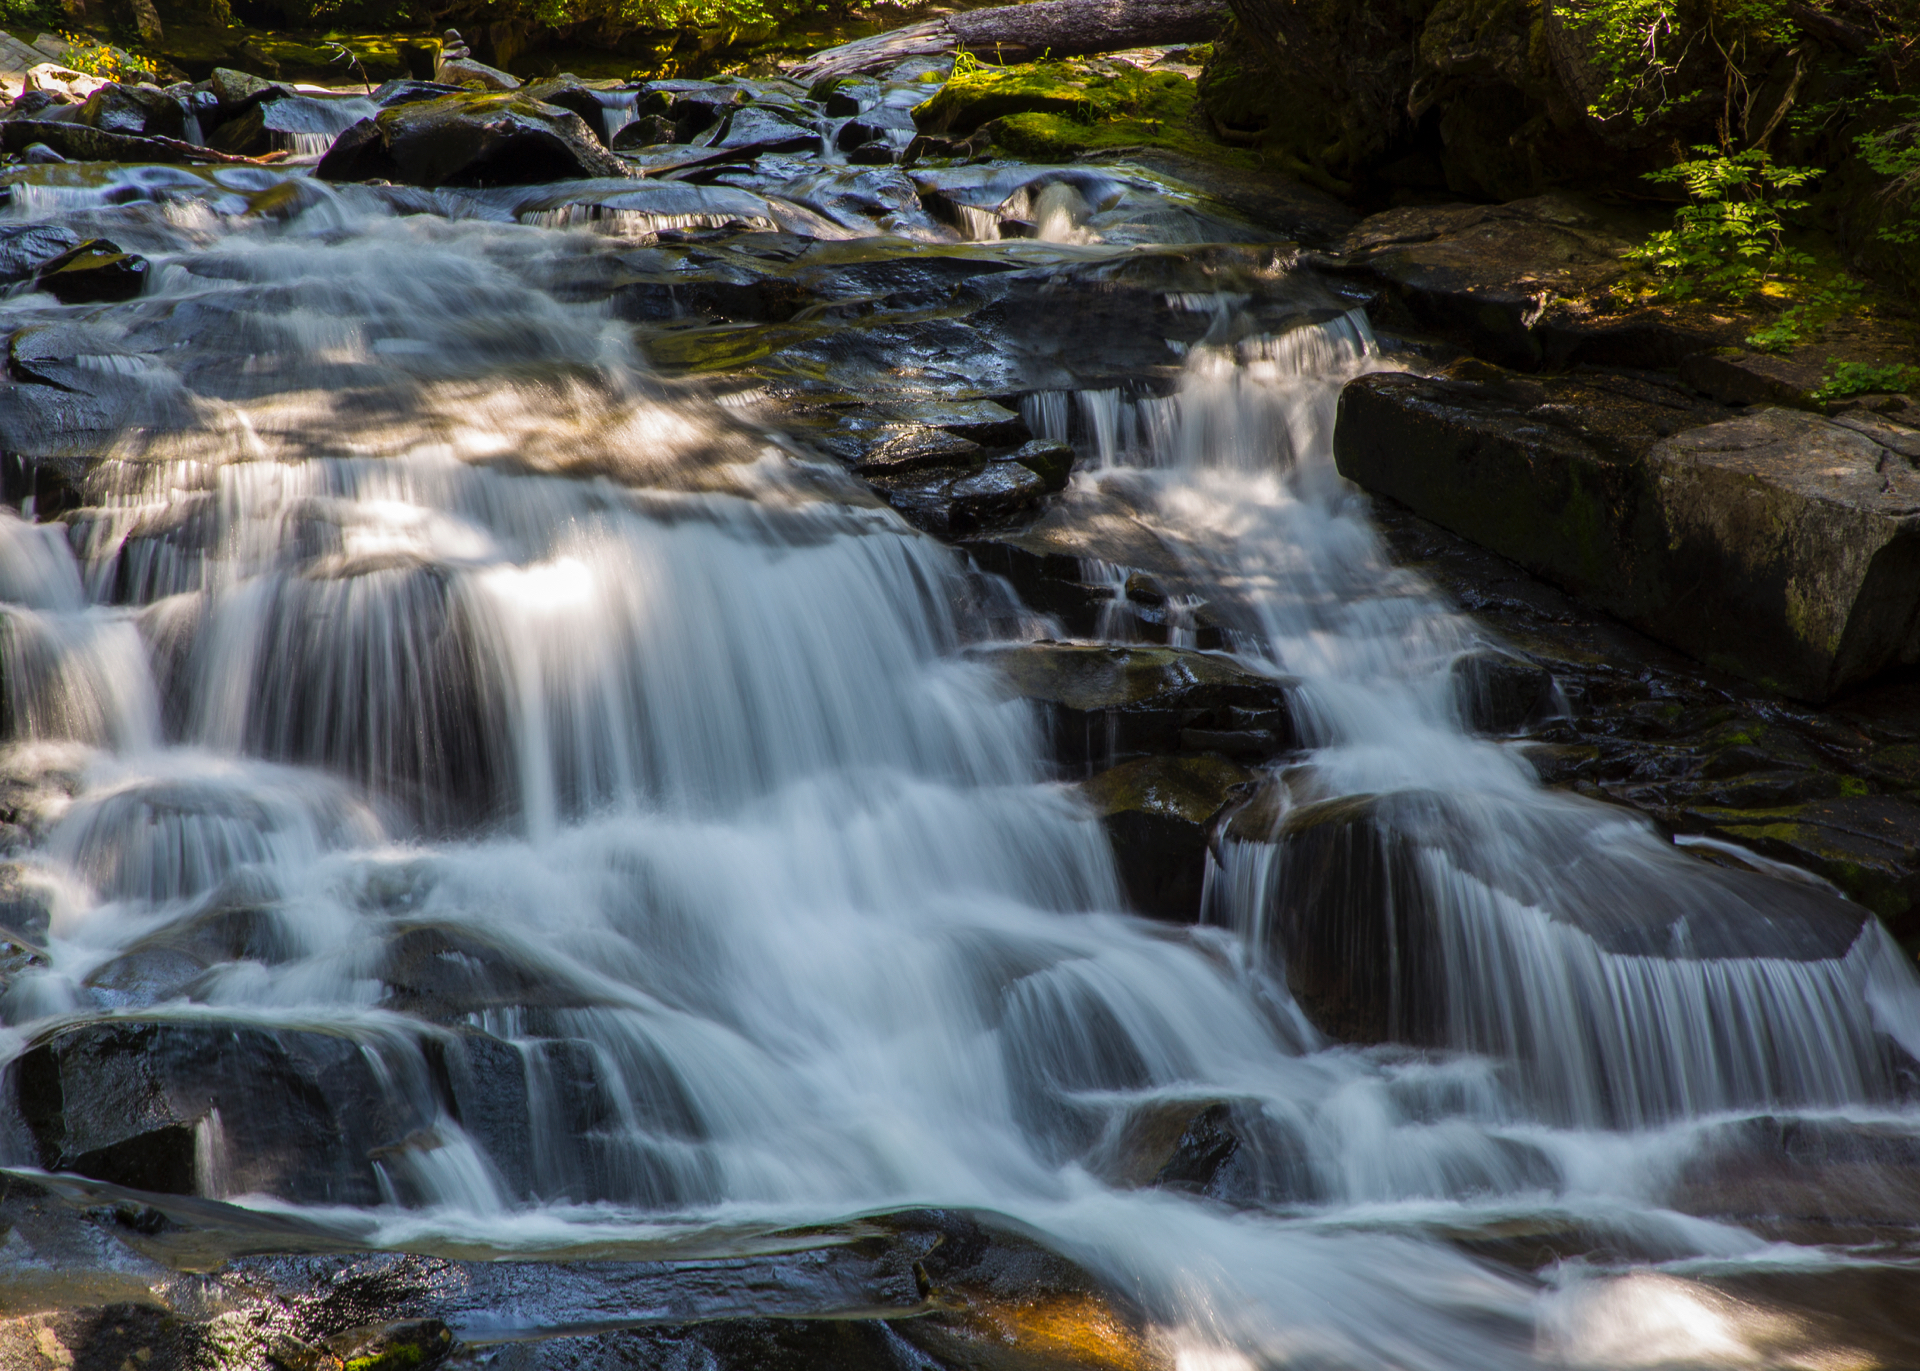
<point>1110,704</point>
<point>135,109</point>
<point>142,1103</point>
<point>93,271</point>
<point>470,140</point>
<point>1160,814</point>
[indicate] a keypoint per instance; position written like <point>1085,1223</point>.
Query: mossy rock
<point>971,99</point>
<point>1056,111</point>
<point>1159,813</point>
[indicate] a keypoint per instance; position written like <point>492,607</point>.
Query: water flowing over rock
<point>730,757</point>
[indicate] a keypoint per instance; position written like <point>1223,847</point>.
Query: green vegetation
<point>1867,378</point>
<point>1642,49</point>
<point>29,19</point>
<point>1728,241</point>
<point>103,59</point>
<point>1056,110</point>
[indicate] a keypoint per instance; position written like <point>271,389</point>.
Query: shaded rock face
<point>1777,545</point>
<point>1160,813</point>
<point>470,140</point>
<point>1375,939</point>
<point>1516,284</point>
<point>1108,704</point>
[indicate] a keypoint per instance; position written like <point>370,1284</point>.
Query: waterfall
<point>596,794</point>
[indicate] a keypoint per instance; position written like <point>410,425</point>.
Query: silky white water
<point>411,612</point>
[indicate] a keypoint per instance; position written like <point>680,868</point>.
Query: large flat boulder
<point>1777,545</point>
<point>1527,284</point>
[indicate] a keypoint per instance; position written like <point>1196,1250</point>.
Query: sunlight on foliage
<point>1727,241</point>
<point>103,59</point>
<point>1867,378</point>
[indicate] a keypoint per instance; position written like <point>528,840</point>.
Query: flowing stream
<point>466,685</point>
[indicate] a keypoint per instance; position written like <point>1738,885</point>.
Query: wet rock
<point>406,92</point>
<point>446,972</point>
<point>1864,844</point>
<point>982,421</point>
<point>1364,937</point>
<point>937,500</point>
<point>291,1113</point>
<point>648,130</point>
<point>95,270</point>
<point>1110,704</point>
<point>399,1346</point>
<point>1498,692</point>
<point>24,905</point>
<point>914,447</point>
<point>1053,562</point>
<point>755,130</point>
<point>1805,1180</point>
<point>24,248</point>
<point>235,89</point>
<point>1159,813</point>
<point>1774,545</point>
<point>470,140</point>
<point>290,123</point>
<point>1048,458</point>
<point>1229,1150</point>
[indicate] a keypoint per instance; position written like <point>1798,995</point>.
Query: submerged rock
<point>470,140</point>
<point>1498,692</point>
<point>1160,814</point>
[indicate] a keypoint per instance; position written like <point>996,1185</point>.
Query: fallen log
<point>1021,33</point>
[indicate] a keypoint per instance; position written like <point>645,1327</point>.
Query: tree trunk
<point>1022,33</point>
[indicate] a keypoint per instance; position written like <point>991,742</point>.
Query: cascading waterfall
<point>442,691</point>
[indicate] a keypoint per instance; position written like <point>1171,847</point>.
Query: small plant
<point>1802,322</point>
<point>102,59</point>
<point>1867,378</point>
<point>1727,241</point>
<point>340,52</point>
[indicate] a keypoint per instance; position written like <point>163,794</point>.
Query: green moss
<point>1055,111</point>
